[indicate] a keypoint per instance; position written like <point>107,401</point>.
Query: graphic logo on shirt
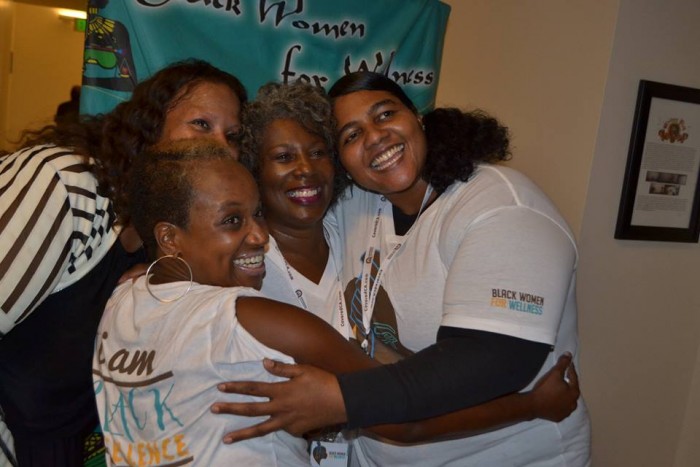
<point>384,338</point>
<point>135,406</point>
<point>517,301</point>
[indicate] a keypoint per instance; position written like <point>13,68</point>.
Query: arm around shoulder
<point>311,398</point>
<point>301,335</point>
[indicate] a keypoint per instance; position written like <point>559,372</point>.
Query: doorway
<point>42,56</point>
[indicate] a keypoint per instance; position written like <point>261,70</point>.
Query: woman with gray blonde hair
<point>288,145</point>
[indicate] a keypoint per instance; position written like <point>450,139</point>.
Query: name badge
<point>329,454</point>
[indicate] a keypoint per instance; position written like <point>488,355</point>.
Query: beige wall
<point>47,61</point>
<point>5,53</point>
<point>563,76</point>
<point>540,67</point>
<point>640,320</point>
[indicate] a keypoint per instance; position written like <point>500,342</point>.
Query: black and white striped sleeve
<point>53,227</point>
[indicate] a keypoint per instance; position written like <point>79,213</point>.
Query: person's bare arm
<point>309,340</point>
<point>311,399</point>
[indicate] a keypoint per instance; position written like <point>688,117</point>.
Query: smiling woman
<point>289,145</point>
<point>362,137</point>
<point>67,249</point>
<point>432,231</point>
<point>198,207</point>
<point>188,209</point>
<point>199,328</point>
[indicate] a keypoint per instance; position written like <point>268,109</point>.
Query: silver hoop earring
<point>348,176</point>
<point>148,275</point>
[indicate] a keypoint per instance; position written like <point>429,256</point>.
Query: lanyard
<point>342,325</point>
<point>368,289</point>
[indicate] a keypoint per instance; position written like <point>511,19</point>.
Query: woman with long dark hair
<point>66,241</point>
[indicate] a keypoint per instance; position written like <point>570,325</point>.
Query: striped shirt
<point>54,227</point>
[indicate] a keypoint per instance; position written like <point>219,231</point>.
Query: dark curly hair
<point>114,140</point>
<point>456,140</point>
<point>138,123</point>
<point>305,104</point>
<point>160,184</point>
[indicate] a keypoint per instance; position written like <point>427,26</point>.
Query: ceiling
<point>71,4</point>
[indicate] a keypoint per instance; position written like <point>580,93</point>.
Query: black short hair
<point>160,184</point>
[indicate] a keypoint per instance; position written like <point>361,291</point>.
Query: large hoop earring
<point>148,275</point>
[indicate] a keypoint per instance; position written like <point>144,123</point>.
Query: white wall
<point>640,324</point>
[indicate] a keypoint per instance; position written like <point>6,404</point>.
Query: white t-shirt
<point>155,370</point>
<point>285,284</point>
<point>492,254</point>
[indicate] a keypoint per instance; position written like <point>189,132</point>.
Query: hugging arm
<point>312,399</point>
<point>490,259</point>
<point>553,398</point>
<point>538,257</point>
<point>464,368</point>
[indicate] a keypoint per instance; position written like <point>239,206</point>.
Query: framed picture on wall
<point>661,194</point>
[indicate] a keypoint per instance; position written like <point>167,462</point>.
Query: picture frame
<point>660,193</point>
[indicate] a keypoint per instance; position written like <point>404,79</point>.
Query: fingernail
<point>228,441</point>
<point>215,408</point>
<point>568,354</point>
<point>221,387</point>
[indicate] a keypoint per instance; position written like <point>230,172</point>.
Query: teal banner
<point>316,41</point>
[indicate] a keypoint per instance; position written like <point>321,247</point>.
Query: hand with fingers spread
<point>311,399</point>
<point>555,395</point>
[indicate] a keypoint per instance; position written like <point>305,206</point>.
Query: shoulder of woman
<point>261,305</point>
<point>57,156</point>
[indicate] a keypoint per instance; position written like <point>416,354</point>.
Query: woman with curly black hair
<point>454,257</point>
<point>66,240</point>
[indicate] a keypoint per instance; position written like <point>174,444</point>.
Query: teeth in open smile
<point>304,193</point>
<point>387,157</point>
<point>251,262</point>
